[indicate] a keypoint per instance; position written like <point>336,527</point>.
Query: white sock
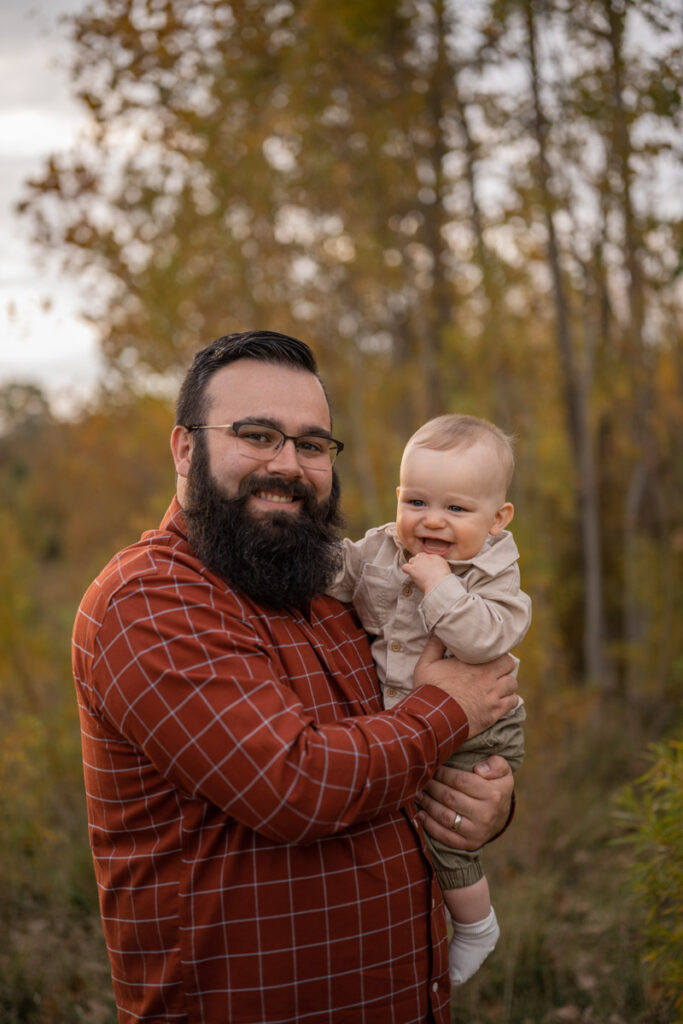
<point>469,947</point>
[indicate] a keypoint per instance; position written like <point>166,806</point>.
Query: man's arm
<point>485,692</point>
<point>193,685</point>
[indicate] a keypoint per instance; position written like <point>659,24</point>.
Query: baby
<point>447,567</point>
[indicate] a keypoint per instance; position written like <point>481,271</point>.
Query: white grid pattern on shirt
<point>231,765</point>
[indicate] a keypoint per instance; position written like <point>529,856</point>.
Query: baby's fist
<point>426,570</point>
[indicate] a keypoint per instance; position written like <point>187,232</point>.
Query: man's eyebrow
<point>269,421</point>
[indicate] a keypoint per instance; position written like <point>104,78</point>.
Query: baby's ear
<point>398,492</point>
<point>502,517</point>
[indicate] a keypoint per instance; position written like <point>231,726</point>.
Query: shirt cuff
<point>441,713</point>
<point>440,599</point>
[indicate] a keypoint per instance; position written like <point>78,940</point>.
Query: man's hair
<point>457,430</point>
<point>263,346</point>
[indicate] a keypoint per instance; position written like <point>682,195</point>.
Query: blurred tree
<point>431,192</point>
<point>23,408</point>
<point>71,493</point>
<point>589,96</point>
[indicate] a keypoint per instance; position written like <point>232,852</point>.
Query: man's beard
<point>279,560</point>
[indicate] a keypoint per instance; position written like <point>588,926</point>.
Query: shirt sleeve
<point>482,622</point>
<point>198,690</point>
<point>345,582</point>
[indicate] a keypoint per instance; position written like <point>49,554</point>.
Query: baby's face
<point>450,501</point>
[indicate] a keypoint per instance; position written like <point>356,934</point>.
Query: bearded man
<point>256,842</point>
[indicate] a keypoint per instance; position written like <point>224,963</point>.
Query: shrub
<point>650,812</point>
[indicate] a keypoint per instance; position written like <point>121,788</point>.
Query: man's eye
<point>257,437</point>
<point>312,445</point>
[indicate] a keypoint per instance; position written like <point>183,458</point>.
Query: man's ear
<point>503,516</point>
<point>182,444</point>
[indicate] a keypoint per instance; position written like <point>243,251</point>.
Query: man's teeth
<point>268,496</point>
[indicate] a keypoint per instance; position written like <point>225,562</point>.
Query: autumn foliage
<point>460,206</point>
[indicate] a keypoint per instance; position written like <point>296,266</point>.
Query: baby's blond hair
<point>457,430</point>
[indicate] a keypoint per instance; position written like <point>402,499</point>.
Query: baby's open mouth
<point>432,546</point>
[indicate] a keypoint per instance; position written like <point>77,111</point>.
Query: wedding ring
<point>456,822</point>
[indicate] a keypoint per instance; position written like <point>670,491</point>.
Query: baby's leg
<point>475,929</point>
<point>460,873</point>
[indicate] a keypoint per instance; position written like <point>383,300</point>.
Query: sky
<point>42,338</point>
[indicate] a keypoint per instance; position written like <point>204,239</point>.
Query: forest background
<point>468,206</point>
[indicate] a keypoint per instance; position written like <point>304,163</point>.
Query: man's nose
<point>285,460</point>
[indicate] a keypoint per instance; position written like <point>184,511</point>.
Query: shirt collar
<point>174,520</point>
<point>496,553</point>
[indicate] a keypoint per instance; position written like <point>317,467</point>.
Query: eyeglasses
<point>261,441</point>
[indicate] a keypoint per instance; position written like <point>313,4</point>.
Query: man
<point>252,817</point>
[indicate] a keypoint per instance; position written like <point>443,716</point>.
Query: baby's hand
<point>426,570</point>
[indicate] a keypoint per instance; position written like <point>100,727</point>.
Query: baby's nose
<point>434,518</point>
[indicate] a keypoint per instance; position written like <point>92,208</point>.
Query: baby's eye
<point>455,508</point>
<point>416,502</point>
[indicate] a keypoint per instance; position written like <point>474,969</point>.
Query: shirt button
<point>435,986</point>
<point>407,590</point>
<point>395,645</point>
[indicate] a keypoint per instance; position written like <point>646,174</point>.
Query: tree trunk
<point>642,484</point>
<point>576,394</point>
<point>493,346</point>
<point>439,311</point>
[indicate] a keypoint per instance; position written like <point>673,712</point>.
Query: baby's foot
<point>469,947</point>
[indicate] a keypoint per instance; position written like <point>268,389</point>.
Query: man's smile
<point>275,496</point>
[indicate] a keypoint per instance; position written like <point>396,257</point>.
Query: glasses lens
<point>313,447</point>
<point>264,440</point>
<point>259,437</point>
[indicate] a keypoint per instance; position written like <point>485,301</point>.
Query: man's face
<point>268,525</point>
<point>291,400</point>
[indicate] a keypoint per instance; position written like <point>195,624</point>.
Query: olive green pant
<point>456,869</point>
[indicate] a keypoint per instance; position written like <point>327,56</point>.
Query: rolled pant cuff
<point>460,877</point>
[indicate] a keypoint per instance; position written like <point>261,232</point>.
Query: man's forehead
<point>249,388</point>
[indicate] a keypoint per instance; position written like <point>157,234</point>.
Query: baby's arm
<point>476,625</point>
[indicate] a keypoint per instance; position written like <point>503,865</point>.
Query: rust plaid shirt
<point>250,804</point>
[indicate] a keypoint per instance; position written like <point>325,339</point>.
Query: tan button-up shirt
<point>479,612</point>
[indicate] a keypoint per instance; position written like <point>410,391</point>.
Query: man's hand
<point>426,570</point>
<point>484,692</point>
<point>482,798</point>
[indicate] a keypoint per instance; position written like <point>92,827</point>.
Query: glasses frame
<point>335,446</point>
